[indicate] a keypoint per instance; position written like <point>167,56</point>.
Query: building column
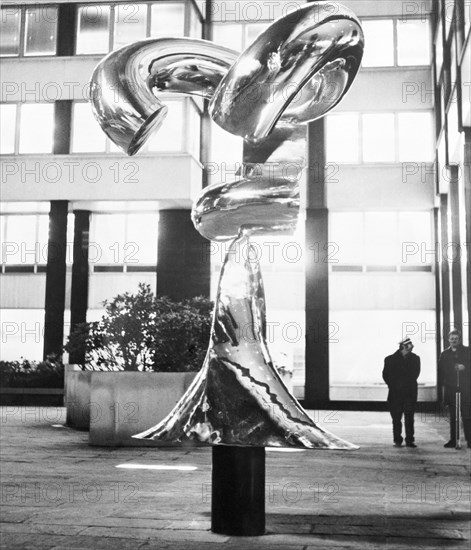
<point>80,277</point>
<point>455,254</point>
<point>445,270</point>
<point>317,272</point>
<point>467,194</point>
<point>55,279</point>
<point>183,264</point>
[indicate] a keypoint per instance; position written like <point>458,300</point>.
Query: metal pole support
<point>238,491</point>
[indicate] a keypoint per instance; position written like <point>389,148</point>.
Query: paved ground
<point>59,493</point>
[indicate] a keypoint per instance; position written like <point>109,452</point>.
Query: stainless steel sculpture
<point>294,72</point>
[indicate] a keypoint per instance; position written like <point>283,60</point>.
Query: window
<point>36,128</point>
<point>378,137</point>
<point>342,138</point>
<point>41,30</point>
<point>102,27</point>
<point>379,43</point>
<point>415,136</point>
<point>169,137</point>
<point>24,239</point>
<point>413,42</point>
<point>130,24</point>
<point>28,30</point>
<point>396,42</point>
<point>93,29</point>
<point>237,36</point>
<point>193,125</point>
<point>167,19</point>
<point>7,128</point>
<point>385,137</point>
<point>87,136</point>
<point>382,238</point>
<point>10,31</point>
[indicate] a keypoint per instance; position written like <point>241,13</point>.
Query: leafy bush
<point>147,333</point>
<point>32,374</point>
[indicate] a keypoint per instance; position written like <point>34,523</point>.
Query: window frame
<point>22,40</point>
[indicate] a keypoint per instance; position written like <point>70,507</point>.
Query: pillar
<point>317,274</point>
<point>183,264</point>
<point>55,279</point>
<point>80,276</point>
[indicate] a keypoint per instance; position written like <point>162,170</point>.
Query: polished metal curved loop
<point>300,66</point>
<point>238,398</point>
<point>124,85</point>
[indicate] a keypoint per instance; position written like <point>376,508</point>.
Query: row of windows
<point>100,28</point>
<point>104,27</point>
<point>28,128</point>
<point>389,42</point>
<point>379,137</point>
<point>355,238</point>
<point>115,239</point>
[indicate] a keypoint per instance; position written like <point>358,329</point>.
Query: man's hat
<point>405,341</point>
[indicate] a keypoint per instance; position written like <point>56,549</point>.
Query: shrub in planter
<point>32,374</point>
<point>142,332</point>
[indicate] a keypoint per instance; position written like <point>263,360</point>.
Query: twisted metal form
<point>294,72</point>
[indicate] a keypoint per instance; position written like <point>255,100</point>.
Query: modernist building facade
<point>380,249</point>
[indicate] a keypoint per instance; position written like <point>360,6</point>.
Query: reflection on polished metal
<point>238,397</point>
<point>296,71</point>
<point>303,64</point>
<point>124,84</point>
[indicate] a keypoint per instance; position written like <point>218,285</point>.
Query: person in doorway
<point>454,374</point>
<point>401,371</point>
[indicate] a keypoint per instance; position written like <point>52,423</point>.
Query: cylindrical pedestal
<point>238,491</point>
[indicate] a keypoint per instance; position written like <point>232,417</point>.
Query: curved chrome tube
<point>300,66</point>
<point>238,398</point>
<point>124,84</point>
<point>296,71</point>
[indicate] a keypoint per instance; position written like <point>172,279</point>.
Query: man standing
<point>453,369</point>
<point>400,373</point>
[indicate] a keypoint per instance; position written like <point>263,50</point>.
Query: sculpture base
<point>238,491</point>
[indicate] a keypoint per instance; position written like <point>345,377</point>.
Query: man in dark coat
<point>400,373</point>
<point>453,368</point>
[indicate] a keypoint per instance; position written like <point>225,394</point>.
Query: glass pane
<point>346,237</point>
<point>93,29</point>
<point>167,19</point>
<point>416,238</point>
<point>108,239</point>
<point>226,155</point>
<point>10,30</point>
<point>439,48</point>
<point>342,138</point>
<point>20,242</point>
<point>170,134</point>
<point>196,27</point>
<point>379,43</point>
<point>7,128</point>
<point>382,241</point>
<point>41,29</point>
<point>253,31</point>
<point>130,23</point>
<point>37,128</point>
<point>43,235</point>
<point>194,130</point>
<point>87,136</point>
<point>415,137</point>
<point>378,137</point>
<point>228,35</point>
<point>413,42</point>
<point>141,239</point>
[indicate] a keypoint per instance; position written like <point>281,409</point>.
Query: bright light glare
<point>283,450</point>
<point>156,467</point>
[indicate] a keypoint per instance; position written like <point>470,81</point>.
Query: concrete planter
<point>123,404</point>
<point>77,384</point>
<point>116,405</point>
